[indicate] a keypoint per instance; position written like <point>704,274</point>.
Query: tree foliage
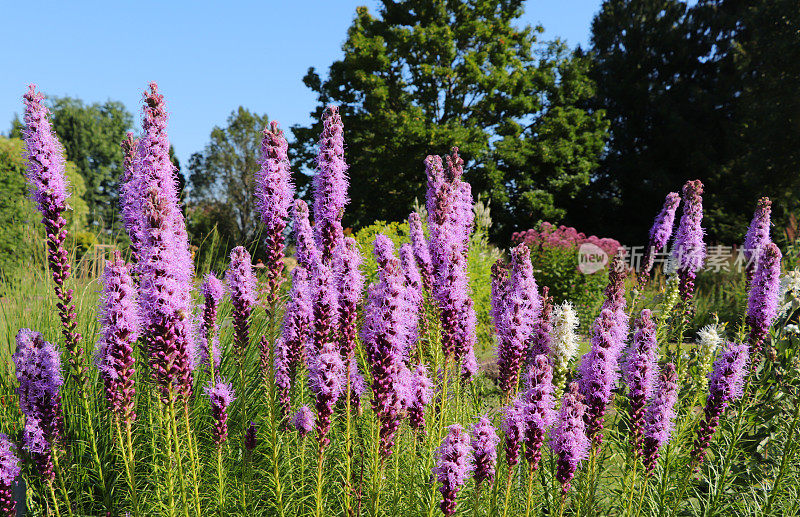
<point>422,76</point>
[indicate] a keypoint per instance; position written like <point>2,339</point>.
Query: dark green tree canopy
<point>423,76</point>
<point>221,178</point>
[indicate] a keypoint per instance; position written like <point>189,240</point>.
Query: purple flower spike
<point>213,291</point>
<point>274,192</point>
<point>307,252</point>
<point>326,375</point>
<point>324,306</point>
<point>283,375</point>
<point>615,297</point>
<point>539,414</point>
<point>35,442</point>
<point>689,249</point>
<point>9,472</point>
<point>385,316</point>
<point>453,465</point>
<point>165,275</point>
<point>660,233</point>
<point>420,246</point>
<point>349,287</point>
<point>542,329</point>
<point>514,427</point>
<point>131,196</point>
<point>725,384</point>
<point>515,307</point>
<point>658,420</point>
<point>242,287</point>
<point>38,367</point>
<point>568,438</point>
<point>757,234</point>
<point>48,186</point>
<point>330,184</point>
<point>296,331</point>
<point>639,370</point>
<point>119,322</point>
<point>250,437</point>
<point>220,395</point>
<point>599,373</point>
<point>421,393</point>
<point>762,303</point>
<point>303,421</point>
<point>484,450</point>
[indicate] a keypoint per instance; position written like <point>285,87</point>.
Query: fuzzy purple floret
<point>325,307</point>
<point>130,196</point>
<point>725,383</point>
<point>421,392</point>
<point>453,466</point>
<point>764,296</point>
<point>598,374</point>
<point>757,233</point>
<point>615,297</point>
<point>568,438</point>
<point>542,329</point>
<point>9,471</point>
<point>283,375</point>
<point>213,291</point>
<point>242,288</point>
<point>539,407</point>
<point>119,331</point>
<point>639,367</point>
<point>38,368</point>
<point>349,288</point>
<point>660,416</point>
<point>274,192</point>
<point>297,318</point>
<point>303,421</point>
<point>515,308</point>
<point>661,231</point>
<point>420,247</point>
<point>220,395</point>
<point>484,450</point>
<point>514,427</point>
<point>330,184</point>
<point>36,443</point>
<point>166,271</point>
<point>306,251</point>
<point>326,375</point>
<point>385,316</point>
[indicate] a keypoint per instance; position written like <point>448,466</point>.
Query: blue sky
<point>208,57</point>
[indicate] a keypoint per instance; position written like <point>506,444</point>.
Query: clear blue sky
<point>208,57</point>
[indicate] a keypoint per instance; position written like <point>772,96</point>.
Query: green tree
<point>222,190</point>
<point>425,75</point>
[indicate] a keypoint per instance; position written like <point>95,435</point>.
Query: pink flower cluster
<point>565,237</point>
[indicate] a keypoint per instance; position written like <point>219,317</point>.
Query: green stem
<point>84,396</point>
<point>508,490</point>
<point>60,474</point>
<point>55,501</point>
<point>178,456</point>
<point>168,470</point>
<point>128,467</point>
<point>318,494</point>
<point>220,482</point>
<point>348,445</point>
<point>788,449</point>
<point>192,457</point>
<point>529,491</point>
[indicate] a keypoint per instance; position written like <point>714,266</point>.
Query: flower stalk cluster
<point>208,352</point>
<point>763,299</point>
<point>659,417</point>
<point>568,438</point>
<point>688,248</point>
<point>453,466</point>
<point>639,371</point>
<point>330,185</point>
<point>660,233</point>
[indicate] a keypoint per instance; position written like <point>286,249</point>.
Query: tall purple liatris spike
<point>213,291</point>
<point>330,184</point>
<point>384,314</point>
<point>48,186</point>
<point>421,393</point>
<point>303,421</point>
<point>484,451</point>
<point>283,375</point>
<point>599,373</point>
<point>297,319</point>
<point>420,246</point>
<point>725,384</point>
<point>689,249</point>
<point>762,302</point>
<point>639,370</point>
<point>568,438</point>
<point>514,427</point>
<point>539,413</point>
<point>453,465</point>
<point>660,233</point>
<point>220,395</point>
<point>326,375</point>
<point>307,253</point>
<point>38,368</point>
<point>119,322</point>
<point>515,308</point>
<point>615,297</point>
<point>131,196</point>
<point>242,287</point>
<point>166,271</point>
<point>9,472</point>
<point>349,287</point>
<point>274,191</point>
<point>35,442</point>
<point>658,420</point>
<point>757,235</point>
<point>540,336</point>
<point>324,307</point>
